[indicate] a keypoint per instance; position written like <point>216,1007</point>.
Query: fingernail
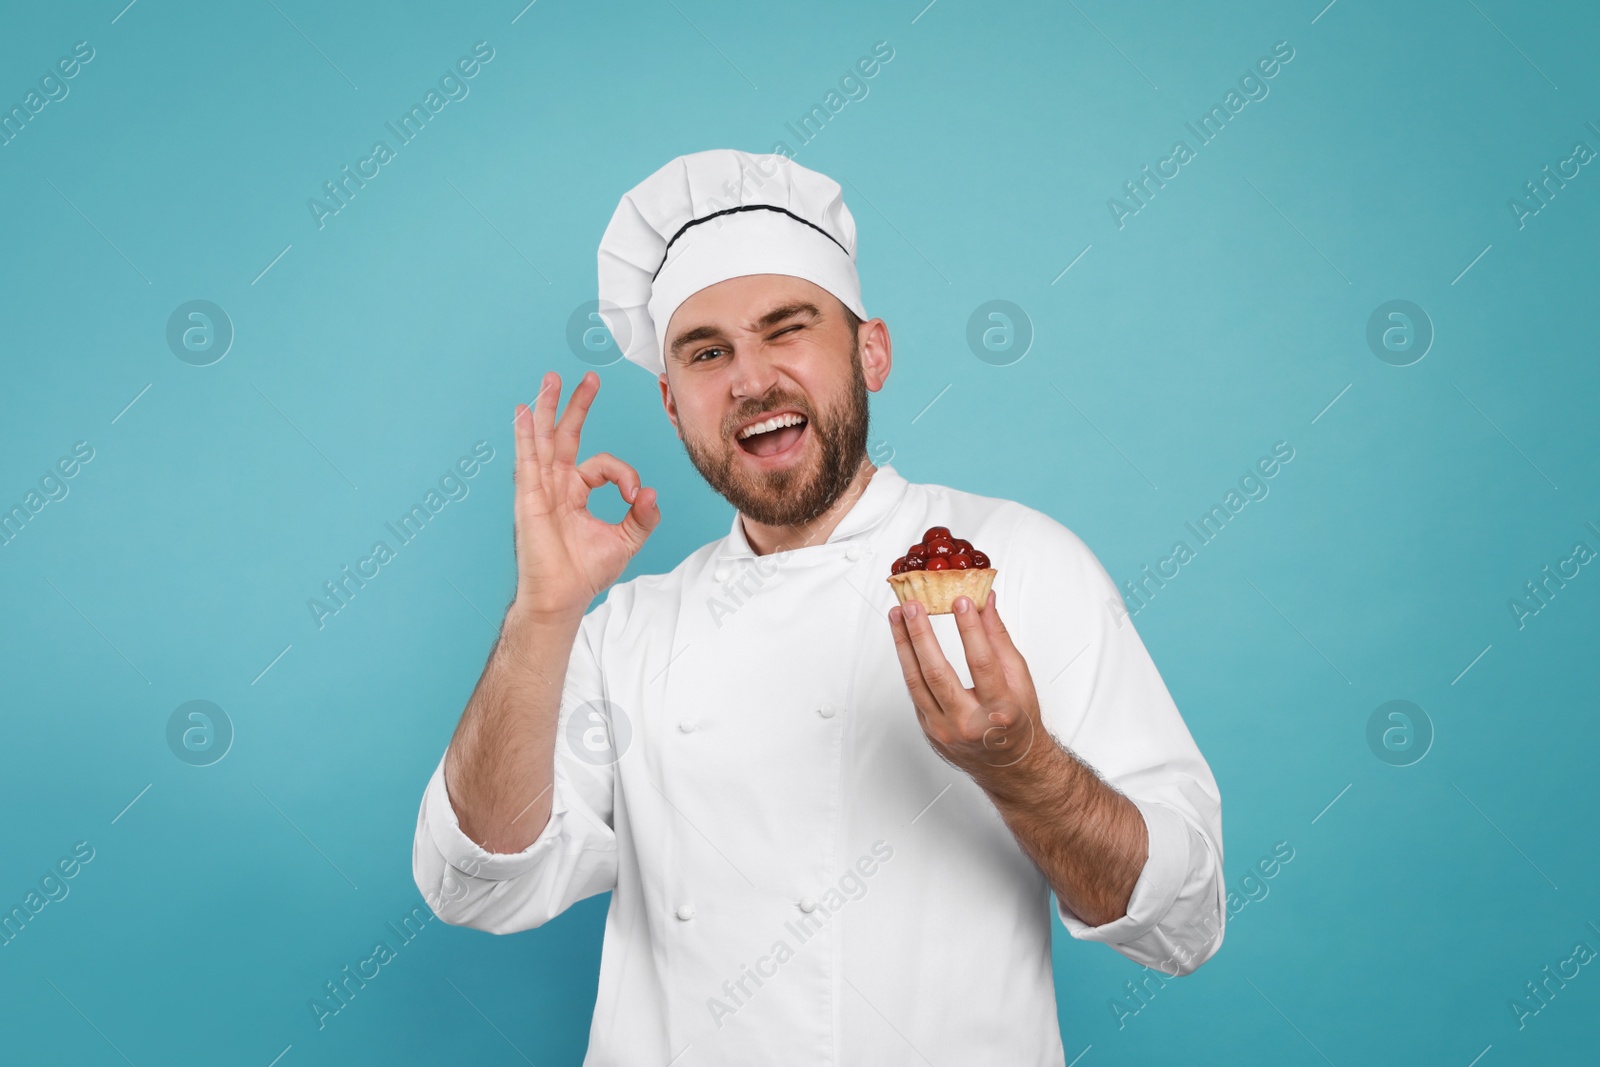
<point>963,604</point>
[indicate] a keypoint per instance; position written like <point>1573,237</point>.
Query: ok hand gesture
<point>565,555</point>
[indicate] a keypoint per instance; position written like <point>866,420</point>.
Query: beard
<point>800,493</point>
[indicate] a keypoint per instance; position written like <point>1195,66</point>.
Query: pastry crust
<point>937,590</point>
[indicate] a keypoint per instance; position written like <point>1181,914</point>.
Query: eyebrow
<point>770,319</point>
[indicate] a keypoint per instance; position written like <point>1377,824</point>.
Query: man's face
<point>746,350</point>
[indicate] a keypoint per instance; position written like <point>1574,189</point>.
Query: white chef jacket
<point>796,876</point>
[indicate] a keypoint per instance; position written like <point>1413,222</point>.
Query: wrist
<point>524,616</point>
<point>1040,769</point>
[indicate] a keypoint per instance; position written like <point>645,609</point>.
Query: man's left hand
<point>984,729</point>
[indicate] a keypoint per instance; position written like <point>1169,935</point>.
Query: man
<point>830,824</point>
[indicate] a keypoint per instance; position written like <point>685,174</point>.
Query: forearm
<point>1089,840</point>
<point>500,765</point>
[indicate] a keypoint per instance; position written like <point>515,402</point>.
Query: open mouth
<point>774,437</point>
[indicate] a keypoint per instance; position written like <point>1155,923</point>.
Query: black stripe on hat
<point>743,207</point>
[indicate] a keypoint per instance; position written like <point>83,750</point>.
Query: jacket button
<point>685,912</point>
<point>828,711</point>
<point>721,574</point>
<point>687,725</point>
<point>807,904</point>
<point>853,553</point>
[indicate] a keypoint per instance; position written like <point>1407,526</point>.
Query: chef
<point>831,825</point>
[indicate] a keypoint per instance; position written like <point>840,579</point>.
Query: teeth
<point>773,423</point>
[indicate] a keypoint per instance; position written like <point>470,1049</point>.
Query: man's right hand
<point>500,767</point>
<point>565,555</point>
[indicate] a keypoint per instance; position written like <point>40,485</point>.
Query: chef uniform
<point>796,876</point>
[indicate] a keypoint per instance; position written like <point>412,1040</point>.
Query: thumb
<point>642,518</point>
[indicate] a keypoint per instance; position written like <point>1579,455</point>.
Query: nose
<point>754,375</point>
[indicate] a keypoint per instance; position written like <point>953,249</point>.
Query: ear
<point>876,353</point>
<point>667,402</point>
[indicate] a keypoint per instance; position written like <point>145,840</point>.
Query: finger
<point>988,675</point>
<point>909,669</point>
<point>950,696</point>
<point>570,428</point>
<point>525,477</point>
<point>922,697</point>
<point>1000,638</point>
<point>603,467</point>
<point>544,418</point>
<point>642,518</point>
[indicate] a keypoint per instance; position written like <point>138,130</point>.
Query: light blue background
<point>1223,317</point>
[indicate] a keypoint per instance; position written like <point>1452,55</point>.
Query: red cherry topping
<point>940,550</point>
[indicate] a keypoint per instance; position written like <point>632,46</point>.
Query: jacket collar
<point>883,493</point>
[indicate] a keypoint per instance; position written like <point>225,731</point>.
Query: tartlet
<point>939,568</point>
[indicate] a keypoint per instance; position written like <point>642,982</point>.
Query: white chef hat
<point>710,216</point>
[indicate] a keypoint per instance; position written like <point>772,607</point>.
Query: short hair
<point>851,319</point>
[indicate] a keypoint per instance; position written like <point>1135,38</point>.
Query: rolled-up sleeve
<point>1101,696</point>
<point>574,856</point>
